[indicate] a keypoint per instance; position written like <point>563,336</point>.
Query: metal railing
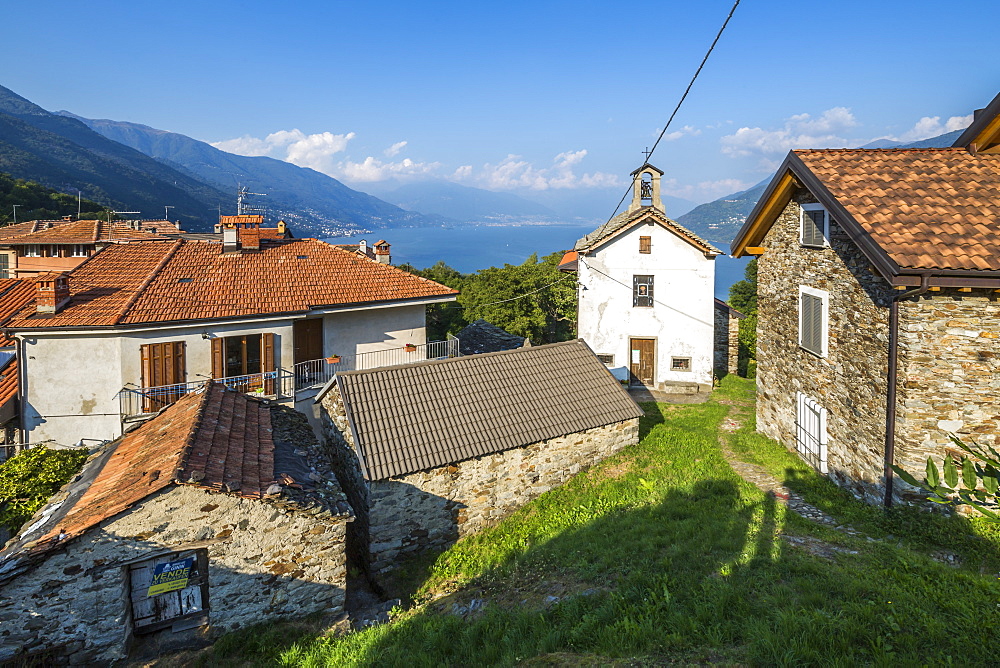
<point>314,373</point>
<point>138,403</point>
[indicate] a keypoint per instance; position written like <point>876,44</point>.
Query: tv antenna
<point>166,212</point>
<point>242,208</point>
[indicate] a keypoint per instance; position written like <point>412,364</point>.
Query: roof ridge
<point>147,281</point>
<point>189,438</point>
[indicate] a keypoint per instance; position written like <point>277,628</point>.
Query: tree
<point>30,478</point>
<point>979,477</point>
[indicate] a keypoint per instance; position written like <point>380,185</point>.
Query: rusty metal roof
<point>428,414</point>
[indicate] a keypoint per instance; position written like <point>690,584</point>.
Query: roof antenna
<point>243,209</point>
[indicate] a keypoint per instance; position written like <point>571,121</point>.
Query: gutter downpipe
<point>890,399</point>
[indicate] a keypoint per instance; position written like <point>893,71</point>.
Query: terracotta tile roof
<point>215,438</point>
<point>626,220</point>
<point>14,295</point>
<point>420,416</point>
<point>8,381</point>
<point>11,231</point>
<point>569,261</point>
<point>159,281</point>
<point>926,208</point>
<point>82,232</point>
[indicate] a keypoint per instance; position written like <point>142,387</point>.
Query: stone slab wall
<point>949,374</point>
<point>850,382</point>
<point>727,341</point>
<point>434,508</point>
<point>270,561</point>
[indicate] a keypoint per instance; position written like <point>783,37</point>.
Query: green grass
<point>662,553</point>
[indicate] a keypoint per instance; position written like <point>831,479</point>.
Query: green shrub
<point>30,478</point>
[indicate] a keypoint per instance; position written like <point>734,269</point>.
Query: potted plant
<point>410,348</point>
<point>333,359</point>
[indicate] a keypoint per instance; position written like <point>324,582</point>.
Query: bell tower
<point>646,188</point>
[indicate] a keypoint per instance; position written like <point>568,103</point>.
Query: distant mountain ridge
<point>719,221</point>
<point>314,203</point>
<point>64,154</point>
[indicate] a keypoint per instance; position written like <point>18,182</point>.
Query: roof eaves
<point>980,128</point>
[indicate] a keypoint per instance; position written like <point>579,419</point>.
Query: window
<point>32,250</point>
<point>245,358</point>
<point>163,368</point>
<point>646,245</point>
<point>168,591</point>
<point>606,359</point>
<point>814,226</point>
<point>813,317</point>
<point>642,291</point>
<point>80,250</point>
<point>680,363</point>
<point>810,432</point>
<point>4,265</point>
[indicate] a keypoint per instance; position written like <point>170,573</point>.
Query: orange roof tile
<point>926,208</point>
<point>14,295</point>
<point>215,438</point>
<point>82,232</point>
<point>8,381</point>
<point>160,281</point>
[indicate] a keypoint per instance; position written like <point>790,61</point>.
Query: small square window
<point>606,359</point>
<point>680,363</point>
<point>646,245</point>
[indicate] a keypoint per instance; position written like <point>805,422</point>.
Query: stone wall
<point>727,341</point>
<point>949,374</point>
<point>269,560</point>
<point>436,507</point>
<point>850,382</point>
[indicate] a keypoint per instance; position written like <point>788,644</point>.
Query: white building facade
<point>645,293</point>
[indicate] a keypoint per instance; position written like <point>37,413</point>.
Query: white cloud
<point>677,134</point>
<point>703,191</point>
<point>394,149</point>
<point>373,169</point>
<point>799,131</point>
<point>931,126</point>
<point>513,172</point>
<point>294,146</point>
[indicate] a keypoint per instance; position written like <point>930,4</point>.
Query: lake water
<point>473,247</point>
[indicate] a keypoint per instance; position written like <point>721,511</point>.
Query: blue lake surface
<point>470,248</point>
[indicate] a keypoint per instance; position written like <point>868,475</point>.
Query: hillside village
<point>269,434</point>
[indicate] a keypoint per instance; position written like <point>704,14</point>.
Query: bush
<point>30,478</point>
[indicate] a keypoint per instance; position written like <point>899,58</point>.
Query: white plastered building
<point>645,293</point>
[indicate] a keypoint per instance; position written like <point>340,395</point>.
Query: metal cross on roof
<point>647,153</point>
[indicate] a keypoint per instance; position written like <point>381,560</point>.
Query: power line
<point>676,109</point>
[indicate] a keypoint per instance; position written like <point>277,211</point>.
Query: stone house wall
<point>727,341</point>
<point>269,560</point>
<point>434,508</point>
<point>850,382</point>
<point>949,374</point>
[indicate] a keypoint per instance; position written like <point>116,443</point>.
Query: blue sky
<point>525,97</point>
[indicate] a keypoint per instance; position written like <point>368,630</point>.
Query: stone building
<point>645,291</point>
<point>878,318</point>
<point>484,337</point>
<point>219,513</point>
<point>727,338</point>
<point>432,451</point>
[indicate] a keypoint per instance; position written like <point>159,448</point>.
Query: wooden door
<point>308,335</point>
<point>179,609</point>
<point>642,361</point>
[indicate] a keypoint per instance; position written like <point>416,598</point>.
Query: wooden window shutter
<point>645,244</point>
<point>811,324</point>
<point>218,357</point>
<point>267,360</point>
<point>813,222</point>
<point>147,365</point>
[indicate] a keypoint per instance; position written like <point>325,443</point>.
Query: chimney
<point>51,292</point>
<point>230,240</point>
<point>282,227</point>
<point>363,247</point>
<point>249,237</point>
<point>382,252</point>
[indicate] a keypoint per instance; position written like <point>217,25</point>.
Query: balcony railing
<point>139,403</point>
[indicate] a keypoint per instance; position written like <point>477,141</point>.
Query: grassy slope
<point>662,553</point>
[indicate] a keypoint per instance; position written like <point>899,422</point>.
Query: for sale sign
<point>170,576</point>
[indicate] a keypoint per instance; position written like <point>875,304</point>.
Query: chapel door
<point>308,336</point>
<point>641,361</point>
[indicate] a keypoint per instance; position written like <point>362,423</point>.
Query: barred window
<point>642,291</point>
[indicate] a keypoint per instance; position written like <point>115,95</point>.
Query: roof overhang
<point>243,319</point>
<point>649,214</point>
<point>984,131</point>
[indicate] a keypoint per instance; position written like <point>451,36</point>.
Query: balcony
<point>141,403</point>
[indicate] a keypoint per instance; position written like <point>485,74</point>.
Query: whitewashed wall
<point>73,380</point>
<point>682,318</point>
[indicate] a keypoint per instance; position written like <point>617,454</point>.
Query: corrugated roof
<point>427,414</point>
<point>159,281</point>
<point>626,220</point>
